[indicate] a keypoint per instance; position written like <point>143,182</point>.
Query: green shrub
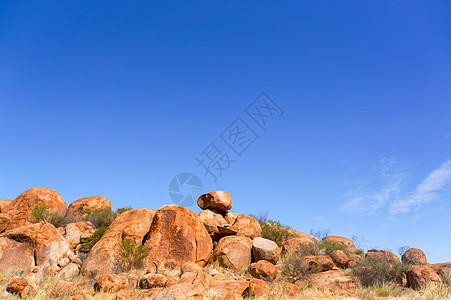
<point>330,246</point>
<point>371,271</point>
<point>132,254</point>
<point>123,209</point>
<point>273,230</point>
<point>293,271</point>
<point>87,244</point>
<point>101,218</point>
<point>41,212</point>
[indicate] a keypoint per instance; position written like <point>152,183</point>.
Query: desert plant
<point>132,254</point>
<point>320,233</point>
<point>41,212</point>
<point>87,244</point>
<point>371,271</point>
<point>293,271</point>
<point>273,230</point>
<point>100,218</point>
<point>123,209</point>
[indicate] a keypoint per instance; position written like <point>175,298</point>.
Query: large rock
<point>78,209</point>
<point>316,263</point>
<point>383,256</point>
<point>264,249</point>
<point>177,235</point>
<point>4,203</point>
<point>5,222</point>
<point>212,220</point>
<point>20,209</point>
<point>47,243</point>
<point>290,246</point>
<point>110,283</point>
<point>258,288</point>
<point>247,226</point>
<point>233,252</point>
<point>74,232</point>
<point>347,243</point>
<point>340,258</point>
<point>15,256</point>
<point>150,281</point>
<point>219,200</point>
<point>418,277</point>
<point>104,257</point>
<point>20,286</point>
<point>263,270</point>
<point>443,269</point>
<point>414,256</point>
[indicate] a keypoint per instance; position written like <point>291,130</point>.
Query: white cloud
<point>426,191</point>
<point>390,179</point>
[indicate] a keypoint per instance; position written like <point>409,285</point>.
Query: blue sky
<point>116,98</point>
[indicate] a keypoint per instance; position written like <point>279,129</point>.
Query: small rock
<point>263,270</point>
<point>258,288</point>
<point>110,283</point>
<point>149,281</point>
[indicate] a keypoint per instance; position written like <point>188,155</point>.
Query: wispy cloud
<point>426,191</point>
<point>391,175</point>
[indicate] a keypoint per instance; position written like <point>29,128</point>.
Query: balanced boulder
<point>414,256</point>
<point>220,201</point>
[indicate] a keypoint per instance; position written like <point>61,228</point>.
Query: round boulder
<point>414,256</point>
<point>263,270</point>
<point>247,226</point>
<point>233,252</point>
<point>78,210</point>
<point>264,249</point>
<point>219,200</point>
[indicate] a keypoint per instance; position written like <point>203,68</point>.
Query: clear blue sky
<point>115,98</point>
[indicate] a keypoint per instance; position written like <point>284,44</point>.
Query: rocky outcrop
<point>264,249</point>
<point>220,201</point>
<point>247,226</point>
<point>347,243</point>
<point>418,277</point>
<point>132,225</point>
<point>383,256</point>
<point>110,283</point>
<point>233,252</point>
<point>290,246</point>
<point>211,221</point>
<point>263,270</point>
<point>20,209</point>
<point>177,236</point>
<point>37,244</point>
<point>78,209</point>
<point>414,256</point>
<point>75,232</point>
<point>4,203</point>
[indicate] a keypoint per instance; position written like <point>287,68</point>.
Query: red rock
<point>177,236</point>
<point>149,281</point>
<point>418,277</point>
<point>212,220</point>
<point>78,210</point>
<point>230,288</point>
<point>383,256</point>
<point>291,290</point>
<point>191,267</point>
<point>5,222</point>
<point>247,226</point>
<point>199,280</point>
<point>110,283</point>
<point>20,286</point>
<point>4,203</point>
<point>347,243</point>
<point>336,281</point>
<point>20,209</point>
<point>15,255</point>
<point>104,257</point>
<point>264,270</point>
<point>264,249</point>
<point>230,217</point>
<point>74,232</point>
<point>220,201</point>
<point>80,296</point>
<point>443,269</point>
<point>317,263</point>
<point>50,246</point>
<point>258,288</point>
<point>233,252</point>
<point>290,246</point>
<point>414,256</point>
<point>340,258</point>
<point>180,291</point>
